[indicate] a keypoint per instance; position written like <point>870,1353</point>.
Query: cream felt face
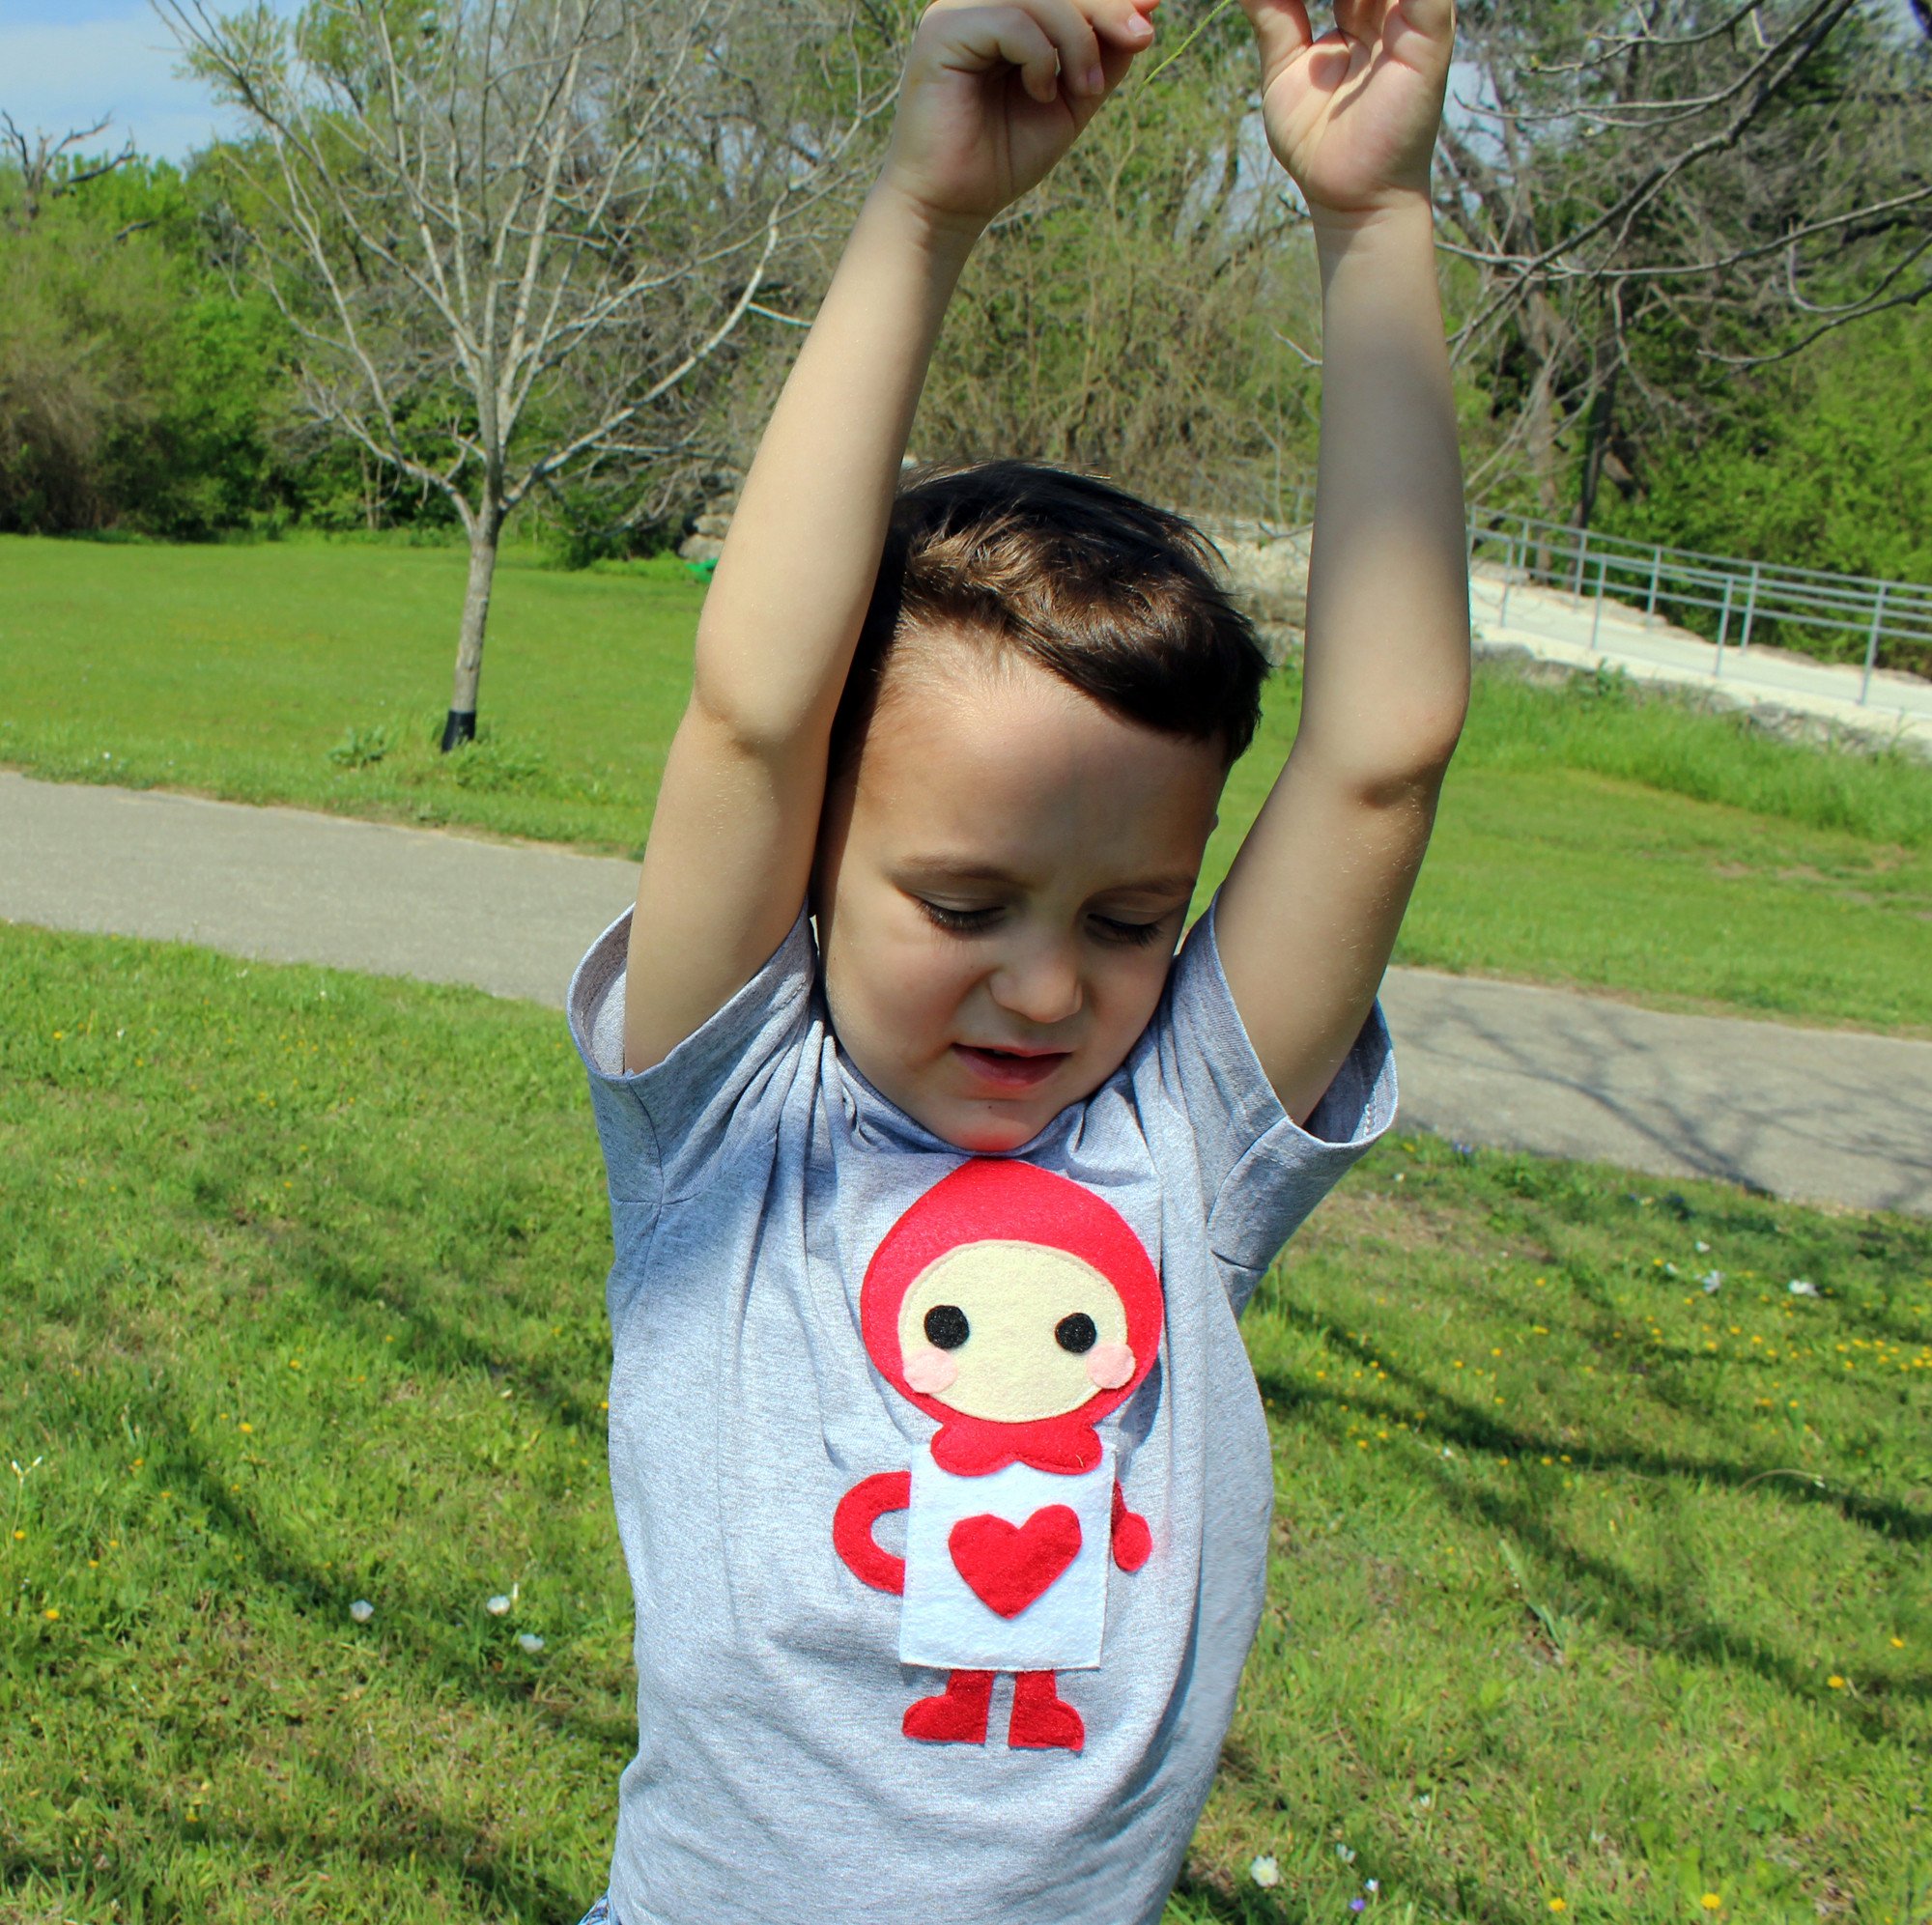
<point>1012,1332</point>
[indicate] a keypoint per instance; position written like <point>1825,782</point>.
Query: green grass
<point>1589,835</point>
<point>1589,1585</point>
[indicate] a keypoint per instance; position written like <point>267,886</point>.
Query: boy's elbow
<point>751,723</point>
<point>1403,756</point>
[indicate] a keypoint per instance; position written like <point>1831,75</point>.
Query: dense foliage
<point>144,381</point>
<point>1154,314</point>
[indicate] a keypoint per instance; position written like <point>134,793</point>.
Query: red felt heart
<point>1008,1566</point>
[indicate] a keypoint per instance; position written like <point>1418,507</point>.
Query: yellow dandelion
<point>51,1612</point>
<point>247,1426</point>
<point>1559,1904</point>
<point>1836,1682</point>
<point>19,1534</point>
<point>1897,1643</point>
<point>1711,1901</point>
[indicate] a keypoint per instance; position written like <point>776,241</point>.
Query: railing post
<point>1583,557</point>
<point>1871,645</point>
<point>1723,627</point>
<point>1509,576</point>
<point>1656,569</point>
<point>1597,618</point>
<point>1751,608</point>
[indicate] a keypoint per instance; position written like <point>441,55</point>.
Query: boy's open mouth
<point>1010,1070</point>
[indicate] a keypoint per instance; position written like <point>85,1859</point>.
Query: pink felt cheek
<point>931,1370</point>
<point>1109,1365</point>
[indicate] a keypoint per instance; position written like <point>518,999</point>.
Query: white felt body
<point>945,1624</point>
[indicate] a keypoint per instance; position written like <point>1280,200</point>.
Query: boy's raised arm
<point>1309,914</point>
<point>731,839</point>
<point>992,96</point>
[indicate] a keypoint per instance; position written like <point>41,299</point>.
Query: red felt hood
<point>994,1200</point>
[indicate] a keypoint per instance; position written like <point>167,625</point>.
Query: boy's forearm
<point>1387,664</point>
<point>791,586</point>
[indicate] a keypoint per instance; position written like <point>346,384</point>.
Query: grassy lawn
<point>1588,836</point>
<point>1598,1593</point>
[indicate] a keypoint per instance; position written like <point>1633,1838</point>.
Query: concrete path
<point>1556,627</point>
<point>1825,1116</point>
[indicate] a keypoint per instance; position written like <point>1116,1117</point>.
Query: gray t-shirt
<point>758,1185</point>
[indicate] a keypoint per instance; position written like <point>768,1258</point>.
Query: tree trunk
<point>461,725</point>
<point>1602,412</point>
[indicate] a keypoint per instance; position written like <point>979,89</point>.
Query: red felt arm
<point>1132,1540</point>
<point>859,1510</point>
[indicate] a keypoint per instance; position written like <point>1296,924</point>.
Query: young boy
<point>941,1473</point>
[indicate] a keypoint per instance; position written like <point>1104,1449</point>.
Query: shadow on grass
<point>1461,1422</point>
<point>416,1629</point>
<point>393,1831</point>
<point>1646,1613</point>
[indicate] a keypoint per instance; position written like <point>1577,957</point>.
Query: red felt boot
<point>1042,1717</point>
<point>958,1716</point>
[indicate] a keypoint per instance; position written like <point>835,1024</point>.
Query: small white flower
<point>1670,1269</point>
<point>1264,1872</point>
<point>498,1605</point>
<point>1798,1287</point>
<point>1710,1279</point>
<point>531,1642</point>
<point>361,1610</point>
<point>1425,1800</point>
<point>1372,1885</point>
<point>1702,1246</point>
<point>1345,1853</point>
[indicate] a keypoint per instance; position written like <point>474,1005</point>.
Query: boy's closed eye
<point>978,921</point>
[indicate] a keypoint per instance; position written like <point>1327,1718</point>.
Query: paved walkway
<point>1825,1116</point>
<point>1560,628</point>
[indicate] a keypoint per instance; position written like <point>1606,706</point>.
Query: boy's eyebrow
<point>941,869</point>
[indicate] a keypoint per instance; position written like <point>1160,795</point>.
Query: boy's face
<point>1001,882</point>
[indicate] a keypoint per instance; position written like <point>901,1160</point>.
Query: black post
<point>459,728</point>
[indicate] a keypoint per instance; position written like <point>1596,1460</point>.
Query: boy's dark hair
<point>1112,595</point>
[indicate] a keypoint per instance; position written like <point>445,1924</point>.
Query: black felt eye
<point>945,1325</point>
<point>1075,1333</point>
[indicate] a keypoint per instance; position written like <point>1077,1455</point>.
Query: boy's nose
<point>1039,984</point>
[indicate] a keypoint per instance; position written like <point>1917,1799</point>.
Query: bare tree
<point>513,239</point>
<point>50,167</point>
<point>1742,178</point>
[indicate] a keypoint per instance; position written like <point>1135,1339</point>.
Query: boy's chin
<point>993,1136</point>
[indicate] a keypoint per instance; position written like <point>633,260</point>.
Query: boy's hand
<point>1353,115</point>
<point>994,95</point>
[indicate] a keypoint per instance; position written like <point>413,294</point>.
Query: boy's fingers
<point>1281,28</point>
<point>976,38</point>
<point>1075,40</point>
<point>1049,41</point>
<point>1434,18</point>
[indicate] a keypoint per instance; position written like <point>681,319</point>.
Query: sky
<point>67,63</point>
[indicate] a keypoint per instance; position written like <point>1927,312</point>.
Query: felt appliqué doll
<point>1018,1309</point>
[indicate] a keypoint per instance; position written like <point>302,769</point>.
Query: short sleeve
<point>1262,1173</point>
<point>667,1130</point>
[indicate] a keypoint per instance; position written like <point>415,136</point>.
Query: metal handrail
<point>1745,592</point>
